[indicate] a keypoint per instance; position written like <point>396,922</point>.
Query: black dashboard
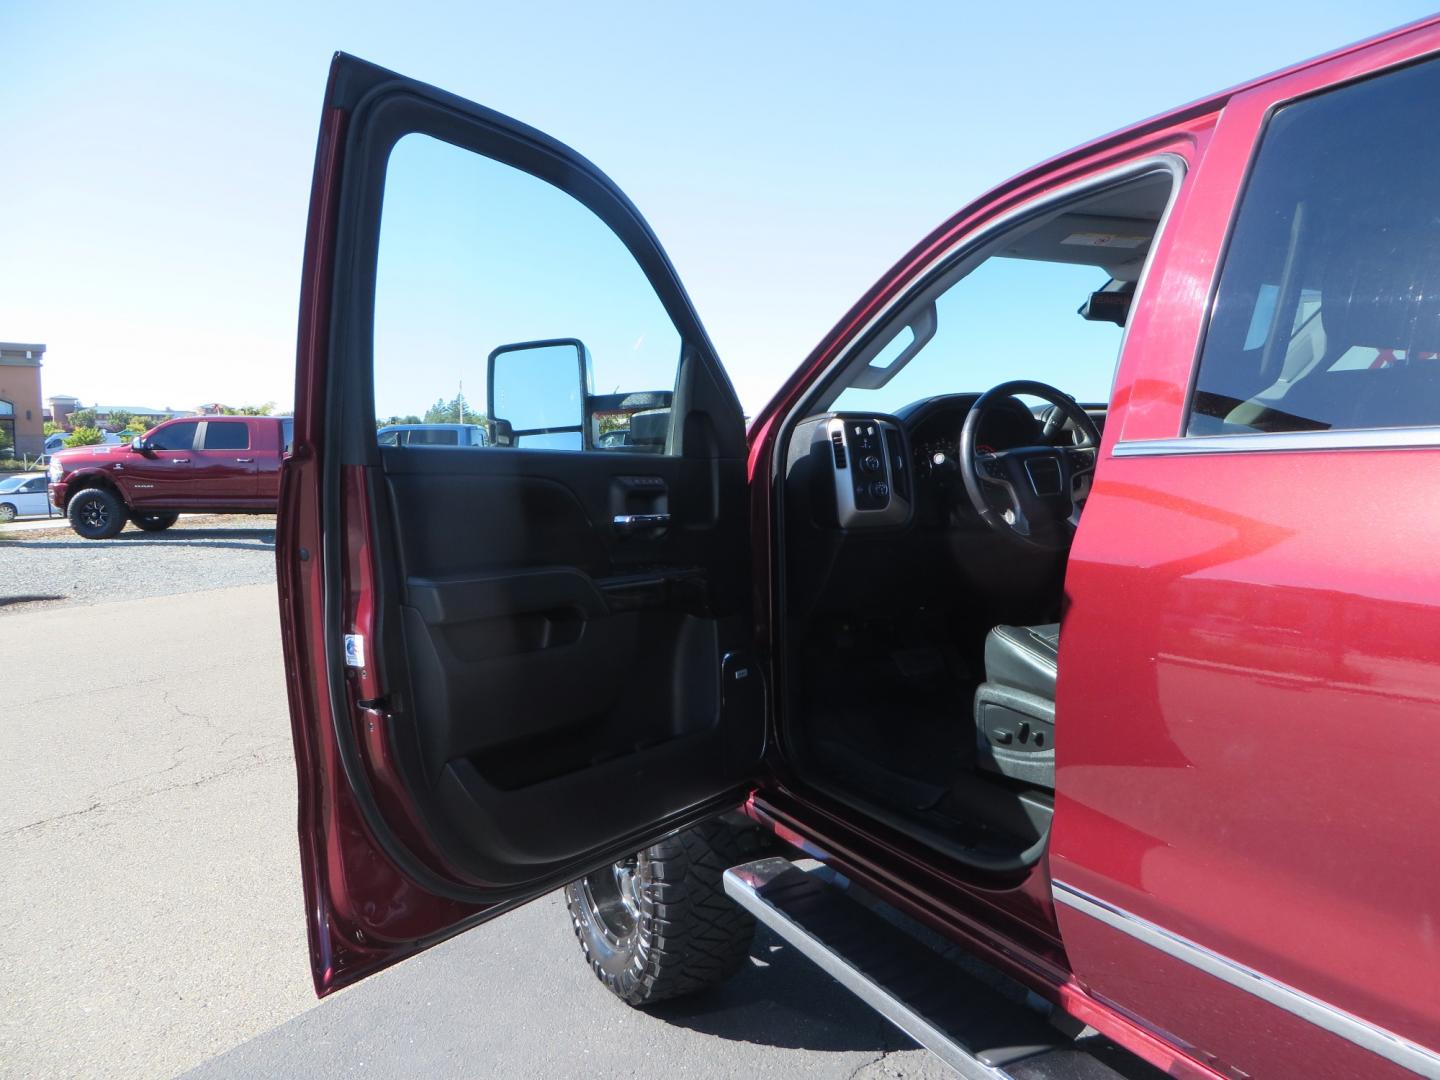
<point>868,470</point>
<point>876,515</point>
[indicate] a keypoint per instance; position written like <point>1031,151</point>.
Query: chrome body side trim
<point>1399,438</point>
<point>1386,1044</point>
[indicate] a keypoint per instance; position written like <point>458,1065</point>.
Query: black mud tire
<point>678,933</point>
<point>154,522</point>
<point>96,513</point>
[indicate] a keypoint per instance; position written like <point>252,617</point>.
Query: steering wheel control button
<point>872,463</point>
<point>880,490</point>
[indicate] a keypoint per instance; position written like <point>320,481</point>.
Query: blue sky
<point>156,157</point>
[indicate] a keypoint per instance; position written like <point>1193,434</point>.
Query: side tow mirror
<point>538,390</point>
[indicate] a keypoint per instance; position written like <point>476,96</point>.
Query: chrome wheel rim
<point>613,899</point>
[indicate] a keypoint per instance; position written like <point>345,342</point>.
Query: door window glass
<point>1327,315</point>
<point>174,437</point>
<point>227,436</point>
<point>477,258</point>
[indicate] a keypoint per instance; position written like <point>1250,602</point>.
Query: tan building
<point>22,422</point>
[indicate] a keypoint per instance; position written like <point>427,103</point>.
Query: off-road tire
<point>154,522</point>
<point>685,935</point>
<point>96,514</point>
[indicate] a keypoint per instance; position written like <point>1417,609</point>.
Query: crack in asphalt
<point>256,761</point>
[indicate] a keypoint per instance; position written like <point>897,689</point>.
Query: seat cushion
<point>1024,658</point>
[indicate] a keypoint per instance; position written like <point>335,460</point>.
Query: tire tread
<point>692,936</point>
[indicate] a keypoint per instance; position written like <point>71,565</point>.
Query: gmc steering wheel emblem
<point>1044,475</point>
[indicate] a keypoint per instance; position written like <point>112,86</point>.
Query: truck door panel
<point>224,464</point>
<point>1248,678</point>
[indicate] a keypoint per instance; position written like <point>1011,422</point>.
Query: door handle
<point>181,460</point>
<point>637,522</point>
<point>244,460</point>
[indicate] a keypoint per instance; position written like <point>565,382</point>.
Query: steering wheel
<point>1037,482</point>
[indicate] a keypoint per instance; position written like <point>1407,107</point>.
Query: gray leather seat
<point>1015,705</point>
<point>1023,657</point>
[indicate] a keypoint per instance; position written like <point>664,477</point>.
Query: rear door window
<point>1327,315</point>
<point>227,436</point>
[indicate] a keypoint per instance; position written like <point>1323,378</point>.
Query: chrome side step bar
<point>968,1024</point>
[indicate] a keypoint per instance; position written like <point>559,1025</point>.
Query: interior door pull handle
<point>244,460</point>
<point>635,522</point>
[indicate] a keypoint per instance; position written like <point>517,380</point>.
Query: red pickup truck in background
<point>209,464</point>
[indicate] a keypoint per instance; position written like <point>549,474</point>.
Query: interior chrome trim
<point>1399,438</point>
<point>1385,1044</point>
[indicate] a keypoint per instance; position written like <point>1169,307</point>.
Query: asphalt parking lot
<point>150,906</point>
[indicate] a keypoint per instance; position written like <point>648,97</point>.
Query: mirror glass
<point>539,389</point>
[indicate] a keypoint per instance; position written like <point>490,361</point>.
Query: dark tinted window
<point>227,435</point>
<point>1328,311</point>
<point>37,484</point>
<point>174,437</point>
<point>432,437</point>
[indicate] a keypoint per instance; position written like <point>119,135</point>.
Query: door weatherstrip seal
<point>1386,1044</point>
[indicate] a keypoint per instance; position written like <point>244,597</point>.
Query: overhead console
<point>855,468</point>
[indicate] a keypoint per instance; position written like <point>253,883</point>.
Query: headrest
<point>1384,291</point>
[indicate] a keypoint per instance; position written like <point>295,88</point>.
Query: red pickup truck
<point>1072,607</point>
<point>207,464</point>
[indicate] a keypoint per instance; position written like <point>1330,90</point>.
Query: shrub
<point>85,436</point>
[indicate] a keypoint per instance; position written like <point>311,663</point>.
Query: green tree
<point>50,427</point>
<point>85,436</point>
<point>248,410</point>
<point>120,419</point>
<point>388,421</point>
<point>137,426</point>
<point>455,411</point>
<point>82,418</point>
